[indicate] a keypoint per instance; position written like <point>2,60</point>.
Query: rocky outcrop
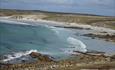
<point>87,61</point>
<point>107,37</point>
<point>92,57</point>
<point>40,57</point>
<point>61,66</point>
<point>113,58</point>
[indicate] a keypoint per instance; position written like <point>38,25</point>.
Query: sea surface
<point>17,41</point>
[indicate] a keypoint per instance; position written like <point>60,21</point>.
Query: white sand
<point>100,29</point>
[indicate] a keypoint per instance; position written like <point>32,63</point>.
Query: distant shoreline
<point>52,12</point>
<point>87,60</point>
<point>104,25</point>
<point>58,24</point>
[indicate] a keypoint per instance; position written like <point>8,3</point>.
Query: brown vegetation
<point>101,21</point>
<point>107,37</point>
<point>86,61</point>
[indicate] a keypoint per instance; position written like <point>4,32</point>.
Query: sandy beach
<point>99,31</point>
<point>56,23</point>
<point>88,60</point>
<point>57,34</point>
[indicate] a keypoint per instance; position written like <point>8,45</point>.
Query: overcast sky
<point>99,7</point>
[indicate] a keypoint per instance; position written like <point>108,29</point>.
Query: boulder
<point>113,58</point>
<point>41,57</point>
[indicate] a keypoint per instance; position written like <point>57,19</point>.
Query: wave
<point>73,42</point>
<point>17,55</point>
<point>77,44</point>
<point>55,29</point>
<point>46,39</point>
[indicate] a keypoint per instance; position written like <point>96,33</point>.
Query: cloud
<point>64,1</point>
<point>99,3</point>
<point>92,6</point>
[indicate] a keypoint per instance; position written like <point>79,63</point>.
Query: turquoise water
<point>14,38</point>
<point>19,40</point>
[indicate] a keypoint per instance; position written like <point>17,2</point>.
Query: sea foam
<point>79,45</point>
<point>18,55</point>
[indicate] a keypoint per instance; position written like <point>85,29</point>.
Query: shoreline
<point>97,62</point>
<point>107,34</point>
<point>86,61</point>
<point>61,24</point>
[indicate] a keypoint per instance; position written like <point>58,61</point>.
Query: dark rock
<point>40,57</point>
<point>113,58</point>
<point>23,61</point>
<point>3,57</point>
<point>35,54</point>
<point>107,37</point>
<point>92,56</point>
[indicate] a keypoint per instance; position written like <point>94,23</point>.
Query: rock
<point>105,36</point>
<point>3,57</point>
<point>35,54</point>
<point>92,57</point>
<point>40,57</point>
<point>113,58</point>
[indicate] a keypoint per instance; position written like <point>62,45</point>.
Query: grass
<point>91,20</point>
<point>102,21</point>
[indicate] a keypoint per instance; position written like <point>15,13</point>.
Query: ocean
<point>17,41</point>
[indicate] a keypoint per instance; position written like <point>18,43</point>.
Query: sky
<point>98,7</point>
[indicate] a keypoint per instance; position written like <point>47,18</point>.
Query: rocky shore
<point>103,35</point>
<point>73,21</point>
<point>79,61</point>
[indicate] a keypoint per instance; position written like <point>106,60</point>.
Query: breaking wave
<point>17,55</point>
<point>45,39</point>
<point>79,45</point>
